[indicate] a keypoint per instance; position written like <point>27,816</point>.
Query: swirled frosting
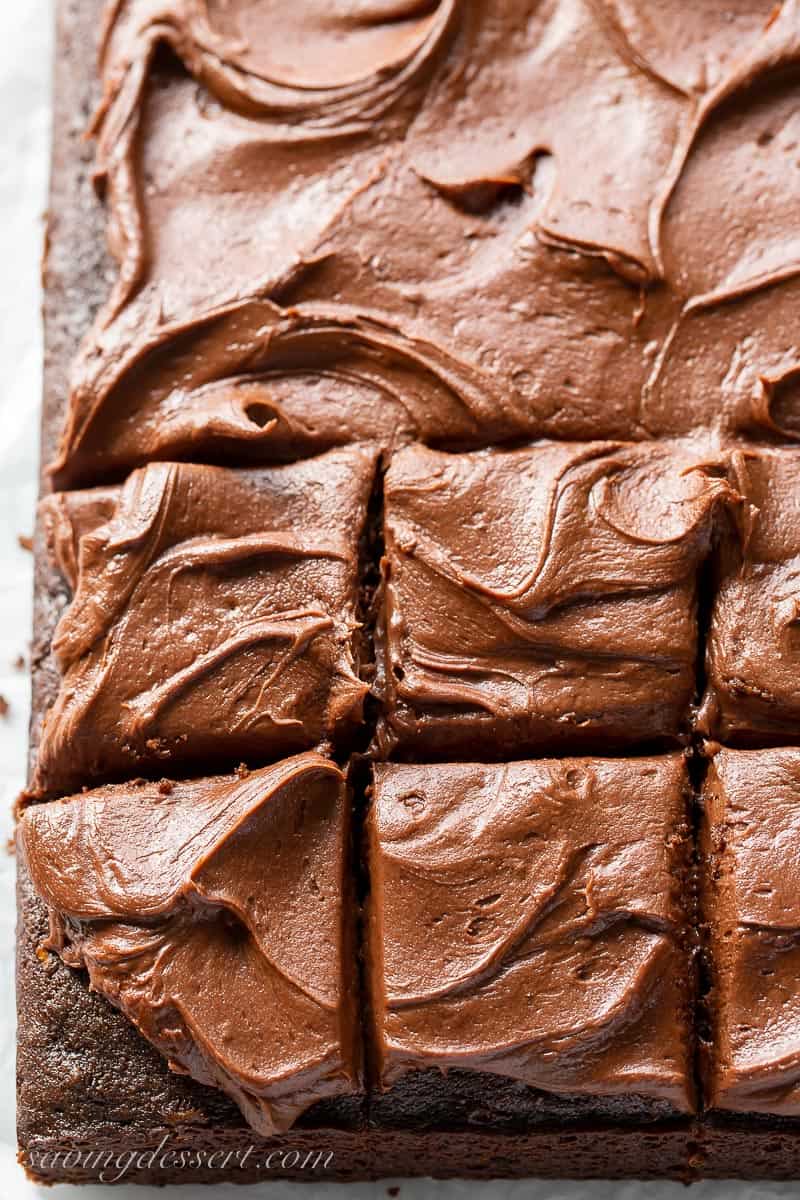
<point>752,870</point>
<point>213,619</point>
<point>753,648</point>
<point>526,921</point>
<point>216,915</point>
<point>439,220</point>
<point>543,597</point>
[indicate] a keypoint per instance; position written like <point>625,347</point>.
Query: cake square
<point>214,618</point>
<point>751,898</point>
<point>528,921</point>
<point>218,915</point>
<point>543,598</point>
<point>753,650</point>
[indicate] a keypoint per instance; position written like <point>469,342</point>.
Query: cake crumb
<point>159,747</point>
<point>393,1191</point>
<point>19,663</point>
<point>243,770</point>
<point>166,787</point>
<point>184,1115</point>
<point>4,706</point>
<point>25,542</point>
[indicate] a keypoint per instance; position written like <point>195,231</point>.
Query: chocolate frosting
<point>526,920</point>
<point>214,617</point>
<point>399,220</point>
<point>216,915</point>
<point>753,649</point>
<point>543,596</point>
<point>750,837</point>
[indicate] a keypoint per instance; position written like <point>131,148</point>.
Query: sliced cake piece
<point>218,916</point>
<point>753,652</point>
<point>213,618</point>
<point>751,835</point>
<point>528,950</point>
<point>543,599</point>
<point>438,221</point>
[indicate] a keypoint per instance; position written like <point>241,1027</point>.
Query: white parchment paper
<point>25,53</point>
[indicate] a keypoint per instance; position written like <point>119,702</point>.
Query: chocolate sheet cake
<point>160,893</point>
<point>413,772</point>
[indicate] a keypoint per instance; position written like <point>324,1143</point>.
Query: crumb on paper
<point>19,663</point>
<point>243,770</point>
<point>393,1191</point>
<point>4,706</point>
<point>25,542</point>
<point>166,787</point>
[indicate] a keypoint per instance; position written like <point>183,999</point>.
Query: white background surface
<point>25,51</point>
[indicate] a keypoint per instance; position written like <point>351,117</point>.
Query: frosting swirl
<point>408,238</point>
<point>753,647</point>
